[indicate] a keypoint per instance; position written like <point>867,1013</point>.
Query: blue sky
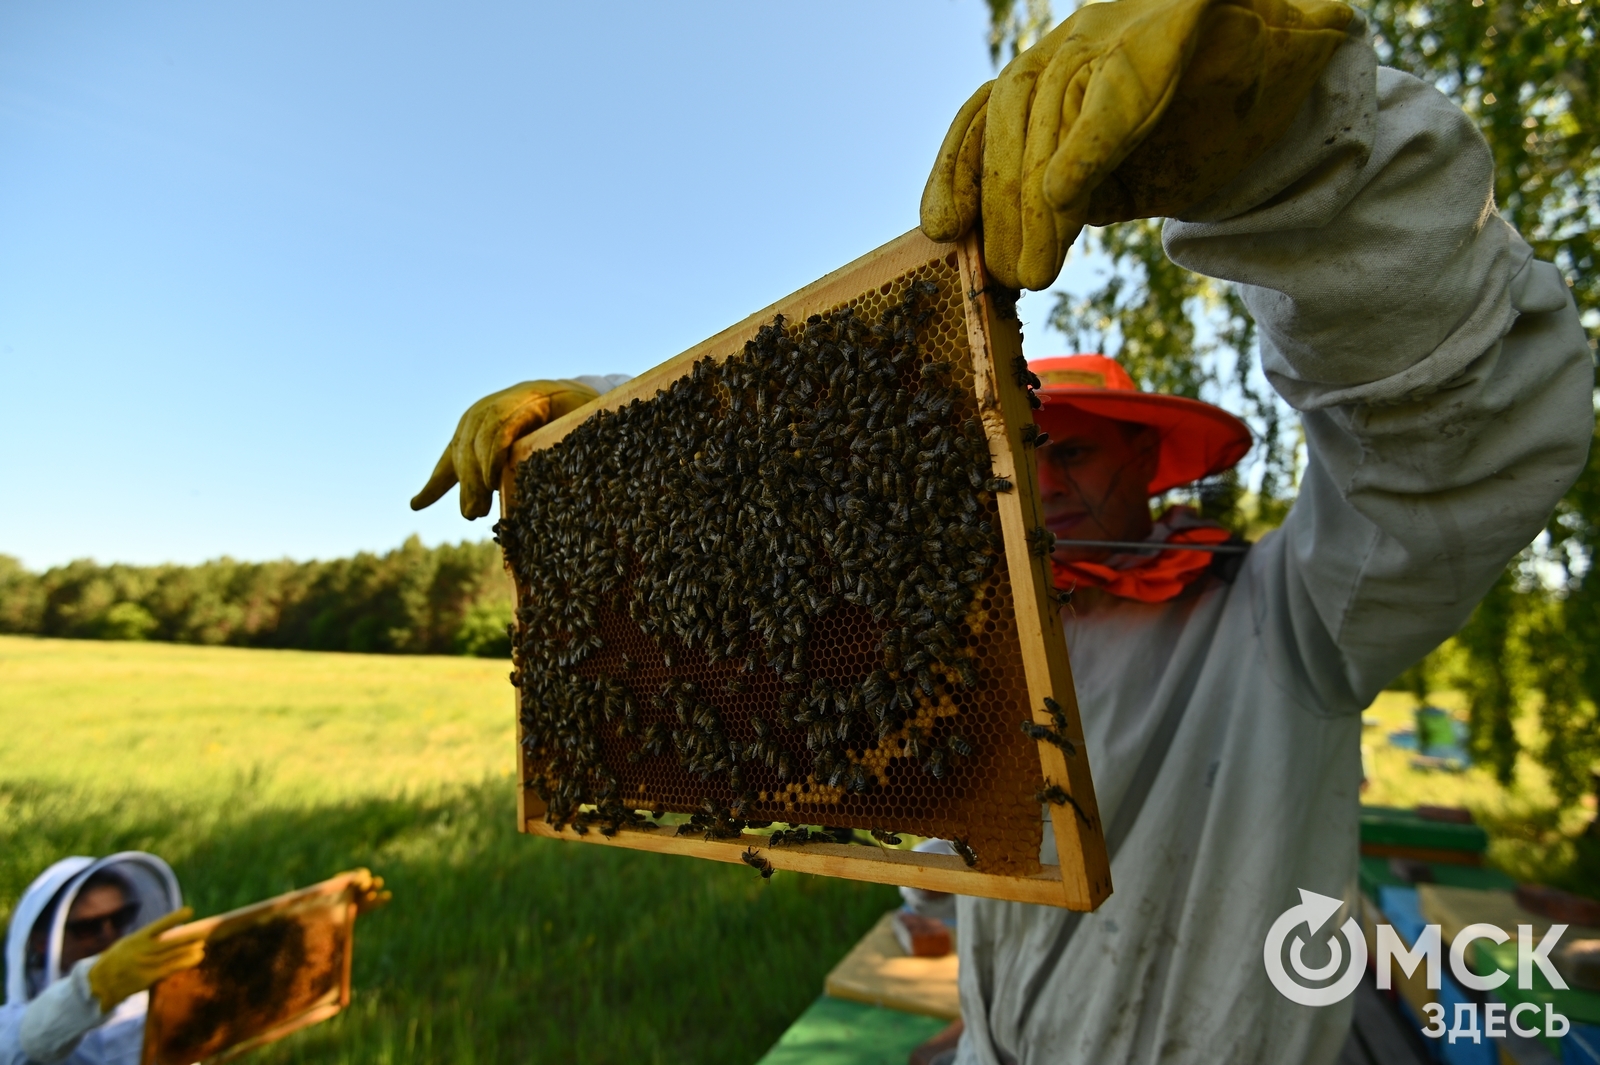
<point>256,259</point>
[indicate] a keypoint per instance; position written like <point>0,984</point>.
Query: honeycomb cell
<point>777,592</point>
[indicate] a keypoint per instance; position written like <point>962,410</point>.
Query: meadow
<point>256,771</point>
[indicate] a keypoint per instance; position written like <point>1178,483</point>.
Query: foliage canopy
<point>1528,72</point>
<point>453,598</point>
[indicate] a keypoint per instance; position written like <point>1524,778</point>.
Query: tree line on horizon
<point>450,599</point>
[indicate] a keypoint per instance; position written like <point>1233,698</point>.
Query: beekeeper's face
<point>1094,483</point>
<point>98,918</point>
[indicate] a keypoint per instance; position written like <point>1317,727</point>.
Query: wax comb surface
<point>774,583</point>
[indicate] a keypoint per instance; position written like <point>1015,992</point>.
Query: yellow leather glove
<point>477,454</point>
<point>1128,109</point>
<point>136,961</point>
<point>368,891</point>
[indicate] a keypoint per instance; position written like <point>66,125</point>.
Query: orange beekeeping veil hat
<point>1197,438</point>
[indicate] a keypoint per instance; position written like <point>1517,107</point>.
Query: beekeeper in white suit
<point>81,952</point>
<point>1446,390</point>
<point>85,945</point>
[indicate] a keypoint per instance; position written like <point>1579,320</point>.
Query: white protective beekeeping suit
<point>51,1016</point>
<point>1446,389</point>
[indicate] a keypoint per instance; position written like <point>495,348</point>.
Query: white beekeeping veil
<point>149,882</point>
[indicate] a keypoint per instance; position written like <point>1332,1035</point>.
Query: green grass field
<point>254,772</point>
<point>257,771</point>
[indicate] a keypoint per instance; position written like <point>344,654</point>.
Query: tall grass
<point>253,772</point>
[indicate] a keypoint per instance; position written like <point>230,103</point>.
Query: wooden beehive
<point>597,590</point>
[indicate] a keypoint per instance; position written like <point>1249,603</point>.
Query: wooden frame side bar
<point>996,344</point>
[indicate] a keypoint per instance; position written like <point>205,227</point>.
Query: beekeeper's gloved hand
<point>1128,109</point>
<point>137,960</point>
<point>367,891</point>
<point>477,454</point>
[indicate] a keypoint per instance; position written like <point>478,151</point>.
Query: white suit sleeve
<point>1443,377</point>
<point>11,1052</point>
<point>58,1017</point>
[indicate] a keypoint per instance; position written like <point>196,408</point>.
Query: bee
<point>1056,795</point>
<point>753,859</point>
<point>1053,794</point>
<point>720,538</point>
<point>888,839</point>
<point>1041,541</point>
<point>1032,437</point>
<point>912,744</point>
<point>967,854</point>
<point>1026,378</point>
<point>997,484</point>
<point>1049,735</point>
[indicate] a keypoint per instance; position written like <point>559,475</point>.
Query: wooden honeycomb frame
<point>1081,880</point>
<point>325,914</point>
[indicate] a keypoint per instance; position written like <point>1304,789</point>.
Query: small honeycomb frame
<point>271,969</point>
<point>990,736</point>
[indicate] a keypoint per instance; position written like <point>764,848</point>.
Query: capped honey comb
<point>797,577</point>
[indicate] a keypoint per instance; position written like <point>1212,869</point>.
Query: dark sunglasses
<point>118,921</point>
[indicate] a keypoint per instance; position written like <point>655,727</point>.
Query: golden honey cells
<point>776,592</point>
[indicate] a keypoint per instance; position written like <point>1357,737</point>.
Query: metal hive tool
<point>797,576</point>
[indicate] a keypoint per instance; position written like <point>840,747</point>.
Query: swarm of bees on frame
<point>826,467</point>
